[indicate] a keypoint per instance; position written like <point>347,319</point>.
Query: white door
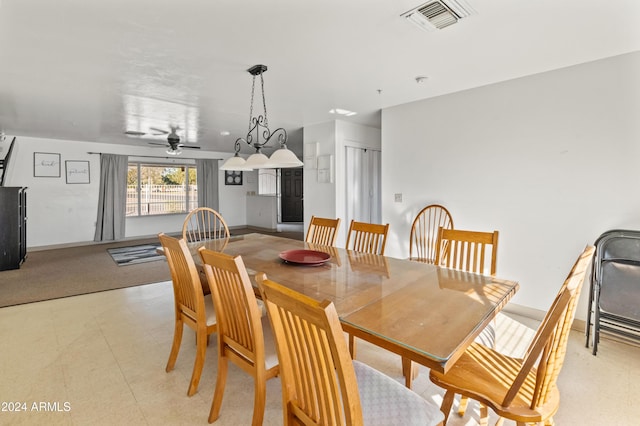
<point>363,185</point>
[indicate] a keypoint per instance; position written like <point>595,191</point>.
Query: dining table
<point>422,312</point>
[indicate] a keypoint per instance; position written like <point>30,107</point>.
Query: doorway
<point>291,197</point>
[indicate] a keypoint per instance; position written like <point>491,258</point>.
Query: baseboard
<point>538,315</point>
<point>93,243</point>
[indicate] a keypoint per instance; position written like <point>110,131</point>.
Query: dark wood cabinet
<point>13,227</point>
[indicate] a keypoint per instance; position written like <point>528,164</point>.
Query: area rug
<point>71,271</point>
<point>132,255</point>
<point>63,272</point>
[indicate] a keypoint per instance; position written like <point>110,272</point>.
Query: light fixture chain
<point>253,89</point>
<point>264,102</point>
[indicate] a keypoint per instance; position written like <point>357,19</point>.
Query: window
<point>154,189</point>
<point>268,181</point>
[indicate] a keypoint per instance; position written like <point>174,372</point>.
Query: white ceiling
<point>89,70</point>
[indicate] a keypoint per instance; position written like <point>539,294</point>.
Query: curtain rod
<point>154,156</point>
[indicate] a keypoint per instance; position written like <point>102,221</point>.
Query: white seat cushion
<point>270,350</point>
<point>210,311</point>
<point>386,402</point>
<point>487,336</point>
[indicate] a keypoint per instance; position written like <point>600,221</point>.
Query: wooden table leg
<point>409,371</point>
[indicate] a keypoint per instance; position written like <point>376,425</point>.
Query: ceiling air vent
<point>439,14</point>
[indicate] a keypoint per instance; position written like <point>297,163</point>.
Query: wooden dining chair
<point>467,250</point>
<point>244,335</point>
<point>202,224</point>
<point>424,232</point>
<point>520,389</point>
<point>365,238</point>
<point>321,385</point>
<point>323,231</point>
<point>191,307</point>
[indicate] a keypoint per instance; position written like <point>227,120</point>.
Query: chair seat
<point>211,312</point>
<point>493,373</point>
<point>487,336</point>
<point>386,402</point>
<point>270,351</point>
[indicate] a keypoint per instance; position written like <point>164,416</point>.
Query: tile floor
<point>99,359</point>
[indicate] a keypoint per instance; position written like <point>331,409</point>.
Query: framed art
<point>232,177</point>
<point>46,164</point>
<point>77,171</point>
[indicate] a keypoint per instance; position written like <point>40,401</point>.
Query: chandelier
<point>259,136</point>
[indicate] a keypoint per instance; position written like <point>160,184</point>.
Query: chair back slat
<point>203,224</point>
<point>367,237</point>
<point>424,232</point>
<point>323,231</point>
<point>467,250</point>
<point>187,287</point>
<point>318,380</point>
<point>237,311</point>
<point>549,345</point>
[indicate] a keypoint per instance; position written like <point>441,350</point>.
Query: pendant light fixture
<point>259,136</point>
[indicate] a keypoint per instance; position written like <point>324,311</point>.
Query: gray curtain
<point>207,176</point>
<point>112,199</point>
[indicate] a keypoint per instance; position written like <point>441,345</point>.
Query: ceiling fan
<point>173,140</point>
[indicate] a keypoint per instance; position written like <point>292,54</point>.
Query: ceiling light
<point>225,133</point>
<point>259,128</point>
<point>340,111</point>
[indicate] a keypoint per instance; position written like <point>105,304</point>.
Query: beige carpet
<point>52,274</point>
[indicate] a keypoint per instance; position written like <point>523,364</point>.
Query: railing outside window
<point>160,199</point>
<point>160,189</point>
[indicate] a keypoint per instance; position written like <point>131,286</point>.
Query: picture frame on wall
<point>77,171</point>
<point>46,164</point>
<point>232,177</point>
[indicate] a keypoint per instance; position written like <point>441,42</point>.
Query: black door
<point>291,195</point>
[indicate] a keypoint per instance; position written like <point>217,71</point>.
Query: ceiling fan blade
<point>159,131</point>
<point>189,147</point>
<point>157,143</point>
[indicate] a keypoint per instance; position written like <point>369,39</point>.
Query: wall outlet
<point>398,198</point>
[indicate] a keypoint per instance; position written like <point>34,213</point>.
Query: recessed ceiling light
<point>225,133</point>
<point>421,79</point>
<point>340,111</point>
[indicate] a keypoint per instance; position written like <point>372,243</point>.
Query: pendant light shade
<point>284,158</point>
<point>235,163</point>
<point>257,161</point>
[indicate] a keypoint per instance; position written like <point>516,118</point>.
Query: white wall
<point>328,199</point>
<point>319,198</point>
<point>262,211</point>
<point>61,213</point>
<point>550,160</point>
